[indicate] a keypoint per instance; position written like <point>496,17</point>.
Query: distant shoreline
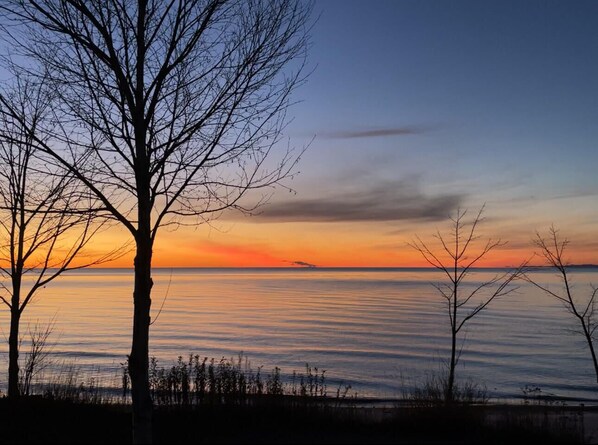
<point>337,268</point>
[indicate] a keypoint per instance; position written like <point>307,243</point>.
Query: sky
<point>417,108</point>
<point>413,110</point>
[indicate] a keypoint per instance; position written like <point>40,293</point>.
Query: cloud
<point>380,132</point>
<point>302,264</point>
<point>389,201</point>
<point>576,193</point>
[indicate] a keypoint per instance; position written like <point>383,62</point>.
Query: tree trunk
<point>454,329</point>
<point>591,346</point>
<point>452,364</point>
<point>13,353</point>
<point>139,358</point>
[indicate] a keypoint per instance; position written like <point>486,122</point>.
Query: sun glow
<point>324,245</point>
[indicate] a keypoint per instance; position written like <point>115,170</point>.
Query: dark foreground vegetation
<point>201,400</point>
<point>289,419</point>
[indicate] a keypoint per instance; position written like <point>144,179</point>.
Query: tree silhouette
<point>456,256</point>
<point>167,110</point>
<point>42,232</point>
<point>552,248</point>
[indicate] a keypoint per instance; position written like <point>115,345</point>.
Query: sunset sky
<point>418,108</point>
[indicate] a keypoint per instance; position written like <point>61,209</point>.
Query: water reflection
<point>373,329</point>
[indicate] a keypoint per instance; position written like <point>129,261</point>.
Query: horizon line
<point>587,265</point>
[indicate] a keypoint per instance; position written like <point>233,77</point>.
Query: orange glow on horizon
<point>213,254</point>
<point>324,245</point>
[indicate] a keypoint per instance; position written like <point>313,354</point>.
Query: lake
<point>378,330</point>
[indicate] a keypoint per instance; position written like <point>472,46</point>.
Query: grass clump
<point>432,392</point>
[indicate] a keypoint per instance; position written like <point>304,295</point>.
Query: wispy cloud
<point>377,132</point>
<point>389,201</point>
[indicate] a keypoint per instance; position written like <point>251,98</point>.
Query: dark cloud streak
<point>382,132</point>
<point>384,202</point>
<point>302,264</point>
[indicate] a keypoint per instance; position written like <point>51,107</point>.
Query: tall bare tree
<point>552,248</point>
<point>42,231</point>
<point>456,256</point>
<point>175,107</point>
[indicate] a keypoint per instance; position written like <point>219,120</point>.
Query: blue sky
<point>497,101</point>
<point>504,90</point>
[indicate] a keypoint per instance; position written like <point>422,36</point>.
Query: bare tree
<point>552,248</point>
<point>37,358</point>
<point>41,237</point>
<point>174,106</point>
<point>456,257</point>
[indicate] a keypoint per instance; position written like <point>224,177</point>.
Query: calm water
<point>377,330</point>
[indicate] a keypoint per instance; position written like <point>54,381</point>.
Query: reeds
<point>70,383</point>
<point>433,390</point>
<point>196,380</point>
<point>199,380</point>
